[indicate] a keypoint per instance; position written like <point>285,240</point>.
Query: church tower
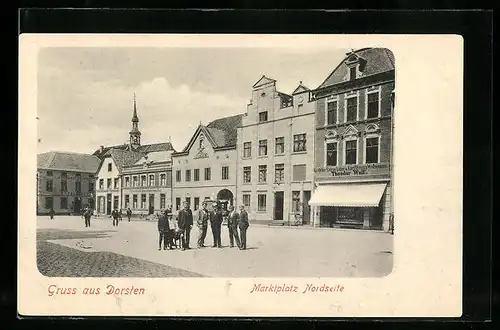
<point>135,134</point>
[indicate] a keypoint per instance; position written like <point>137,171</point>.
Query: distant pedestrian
<point>120,214</point>
<point>114,215</point>
<point>129,214</point>
<point>185,221</point>
<point>243,224</point>
<point>232,225</point>
<point>163,230</point>
<point>202,222</point>
<point>51,214</point>
<point>87,214</point>
<point>215,224</point>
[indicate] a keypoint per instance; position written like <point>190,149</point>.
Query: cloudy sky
<point>85,95</point>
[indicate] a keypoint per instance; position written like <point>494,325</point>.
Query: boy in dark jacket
<point>163,230</point>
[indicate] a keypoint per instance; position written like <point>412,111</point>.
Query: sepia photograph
<point>210,162</point>
<point>272,175</point>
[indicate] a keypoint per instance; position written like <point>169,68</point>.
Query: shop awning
<point>348,195</point>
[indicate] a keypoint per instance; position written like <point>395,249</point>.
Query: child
<point>173,228</point>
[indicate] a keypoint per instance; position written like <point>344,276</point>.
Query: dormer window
<point>353,72</point>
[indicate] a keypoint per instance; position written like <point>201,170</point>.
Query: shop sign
<point>138,191</point>
<point>352,170</point>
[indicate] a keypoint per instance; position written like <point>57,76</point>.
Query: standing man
<point>232,225</point>
<point>114,214</point>
<point>202,223</point>
<point>185,220</point>
<point>129,214</point>
<point>216,223</point>
<point>51,213</point>
<point>243,224</point>
<point>87,214</point>
<point>163,230</point>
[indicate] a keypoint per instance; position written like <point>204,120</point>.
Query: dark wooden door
<point>306,209</point>
<point>278,205</point>
<point>151,204</point>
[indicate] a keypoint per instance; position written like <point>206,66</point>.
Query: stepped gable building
<point>206,168</point>
<point>65,182</point>
<point>116,159</point>
<point>276,154</point>
<point>354,130</point>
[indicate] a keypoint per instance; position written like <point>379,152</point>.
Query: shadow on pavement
<point>54,234</point>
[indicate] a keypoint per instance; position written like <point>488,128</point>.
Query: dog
<point>177,238</point>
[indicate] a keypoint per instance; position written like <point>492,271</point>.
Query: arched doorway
<point>225,198</point>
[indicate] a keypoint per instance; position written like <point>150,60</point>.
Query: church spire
<point>135,134</point>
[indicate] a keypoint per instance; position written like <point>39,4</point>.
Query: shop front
<point>349,205</point>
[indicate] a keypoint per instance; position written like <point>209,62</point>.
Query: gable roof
<point>121,158</point>
<point>300,89</point>
<point>146,148</point>
<point>157,156</point>
<point>68,161</point>
<point>263,81</point>
<point>104,150</point>
<point>221,133</point>
<point>376,60</point>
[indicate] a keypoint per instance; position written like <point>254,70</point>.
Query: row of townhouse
<point>324,154</point>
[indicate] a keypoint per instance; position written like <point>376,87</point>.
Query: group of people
<point>237,223</point>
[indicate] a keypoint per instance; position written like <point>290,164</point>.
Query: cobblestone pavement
<point>272,251</point>
<point>57,260</point>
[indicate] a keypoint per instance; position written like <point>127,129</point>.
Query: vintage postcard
<point>240,175</point>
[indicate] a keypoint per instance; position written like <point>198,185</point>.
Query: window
<point>351,150</point>
<point>136,181</point>
<point>115,183</point>
<point>177,203</point>
<point>188,175</point>
<point>372,110</point>
<point>48,185</point>
<point>49,173</point>
<point>371,152</point>
<point>162,201</point>
<point>110,167</point>
<point>247,174</point>
<point>101,183</point>
<point>208,174</point>
<point>163,179</point>
<point>331,153</point>
<point>197,174</point>
<point>91,187</point>
<point>279,172</point>
<point>225,173</point>
<point>263,148</point>
<point>246,201</point>
<point>331,112</point>
<point>352,109</point>
<point>78,187</point>
<point>299,142</point>
<point>127,200</point>
<point>108,183</point>
<point>296,201</point>
<point>143,181</point>
<point>280,146</point>
<point>49,203</point>
<point>262,173</point>
<point>143,201</point>
<point>178,175</point>
<point>247,149</point>
<point>352,73</point>
<point>262,116</point>
<point>261,202</point>
<point>134,205</point>
<point>127,181</point>
<point>151,180</point>
<point>196,203</point>
<point>64,203</point>
<point>299,172</point>
<point>78,177</point>
<point>64,182</point>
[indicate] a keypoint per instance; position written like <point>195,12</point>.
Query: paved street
<point>67,248</point>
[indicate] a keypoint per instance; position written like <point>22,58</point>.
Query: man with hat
<point>163,230</point>
<point>202,222</point>
<point>185,221</point>
<point>216,223</point>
